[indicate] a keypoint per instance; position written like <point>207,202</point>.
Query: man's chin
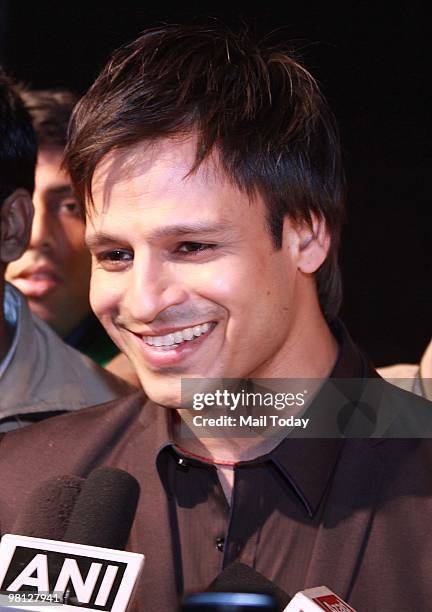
<point>176,391</point>
<point>167,394</point>
<point>171,403</point>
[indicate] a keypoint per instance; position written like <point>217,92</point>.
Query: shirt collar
<point>308,463</point>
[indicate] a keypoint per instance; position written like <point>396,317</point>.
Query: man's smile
<point>178,337</point>
<point>175,346</point>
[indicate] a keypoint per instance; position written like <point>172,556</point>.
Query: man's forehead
<point>161,166</point>
<point>150,190</point>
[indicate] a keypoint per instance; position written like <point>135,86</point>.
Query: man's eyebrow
<point>183,229</point>
<point>60,191</point>
<point>178,230</point>
<point>100,239</point>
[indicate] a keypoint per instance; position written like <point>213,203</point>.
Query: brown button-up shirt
<point>351,514</point>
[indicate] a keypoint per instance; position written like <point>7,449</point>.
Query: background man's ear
<point>16,216</point>
<point>313,244</point>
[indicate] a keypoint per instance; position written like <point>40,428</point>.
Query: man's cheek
<point>219,286</point>
<point>105,296</point>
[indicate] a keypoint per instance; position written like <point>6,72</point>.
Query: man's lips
<point>171,354</point>
<point>37,282</point>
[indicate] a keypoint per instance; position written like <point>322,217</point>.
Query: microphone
<point>45,514</point>
<point>47,509</point>
<point>316,600</point>
<point>238,588</point>
<point>88,569</point>
<point>239,577</point>
<point>105,510</point>
<point>229,602</point>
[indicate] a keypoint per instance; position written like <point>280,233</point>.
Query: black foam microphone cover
<point>240,578</point>
<point>105,509</point>
<point>46,511</point>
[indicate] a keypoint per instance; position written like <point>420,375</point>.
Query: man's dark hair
<point>50,110</point>
<point>254,103</point>
<point>18,146</point>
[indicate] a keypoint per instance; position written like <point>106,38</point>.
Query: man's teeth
<point>178,337</point>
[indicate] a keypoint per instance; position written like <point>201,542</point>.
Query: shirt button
<point>220,544</point>
<point>182,463</point>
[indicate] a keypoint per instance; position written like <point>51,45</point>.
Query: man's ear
<point>16,216</point>
<point>312,243</point>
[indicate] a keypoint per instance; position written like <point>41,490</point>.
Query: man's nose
<point>42,234</point>
<point>153,286</point>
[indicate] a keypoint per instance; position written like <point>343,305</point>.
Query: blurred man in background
<point>54,272</point>
<point>40,375</point>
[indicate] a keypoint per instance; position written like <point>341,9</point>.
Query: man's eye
<point>69,207</point>
<point>114,256</point>
<point>195,247</point>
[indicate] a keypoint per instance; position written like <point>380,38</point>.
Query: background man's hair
<point>18,146</point>
<point>50,110</point>
<point>254,103</point>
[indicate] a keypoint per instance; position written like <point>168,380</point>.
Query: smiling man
<point>209,168</point>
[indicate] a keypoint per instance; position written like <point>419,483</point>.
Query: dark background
<point>373,61</point>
